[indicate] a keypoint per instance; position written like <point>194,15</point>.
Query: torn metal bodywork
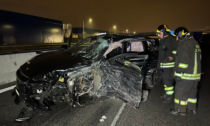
<point>99,79</point>
<point>119,66</point>
<point>124,85</point>
<point>108,80</point>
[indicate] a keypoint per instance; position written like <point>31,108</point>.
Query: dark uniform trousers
<point>167,79</point>
<point>185,95</point>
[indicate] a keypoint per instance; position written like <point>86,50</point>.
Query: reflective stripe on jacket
<point>167,65</point>
<point>167,48</point>
<point>188,60</point>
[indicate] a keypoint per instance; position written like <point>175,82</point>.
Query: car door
<point>137,49</point>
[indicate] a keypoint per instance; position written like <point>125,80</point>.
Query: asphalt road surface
<point>113,112</point>
<point>150,113</point>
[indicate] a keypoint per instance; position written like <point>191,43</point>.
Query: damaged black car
<point>112,65</point>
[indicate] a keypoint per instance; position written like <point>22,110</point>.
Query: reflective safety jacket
<point>167,48</point>
<point>188,60</point>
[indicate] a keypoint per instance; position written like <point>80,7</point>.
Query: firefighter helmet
<point>181,32</point>
<point>162,28</point>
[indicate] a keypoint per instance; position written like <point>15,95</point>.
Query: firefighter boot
<point>168,99</point>
<point>176,112</point>
<point>194,112</point>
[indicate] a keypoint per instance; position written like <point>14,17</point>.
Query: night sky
<point>134,15</point>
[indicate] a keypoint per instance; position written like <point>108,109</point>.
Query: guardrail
<point>23,48</point>
<point>9,49</point>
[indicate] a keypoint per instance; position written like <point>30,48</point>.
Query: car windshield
<point>90,48</point>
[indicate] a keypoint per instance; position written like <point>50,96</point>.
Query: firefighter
<point>187,73</point>
<point>167,50</point>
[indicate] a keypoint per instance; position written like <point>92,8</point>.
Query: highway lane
<point>62,113</point>
<point>151,113</point>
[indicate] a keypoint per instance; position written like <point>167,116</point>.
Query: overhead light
<point>90,20</point>
<point>114,27</point>
<point>55,30</point>
<point>8,26</point>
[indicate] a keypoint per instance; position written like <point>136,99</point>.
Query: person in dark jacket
<point>167,50</point>
<point>187,73</point>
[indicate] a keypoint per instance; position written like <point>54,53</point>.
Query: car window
<point>90,48</point>
<point>151,46</point>
<point>136,46</point>
<point>80,46</point>
<point>96,49</point>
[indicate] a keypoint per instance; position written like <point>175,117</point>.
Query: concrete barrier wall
<point>10,63</point>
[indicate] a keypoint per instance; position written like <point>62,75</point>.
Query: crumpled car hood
<point>50,61</point>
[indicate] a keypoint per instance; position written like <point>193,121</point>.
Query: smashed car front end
<point>36,91</point>
<point>102,69</point>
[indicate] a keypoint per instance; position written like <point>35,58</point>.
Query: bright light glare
<point>8,26</point>
<point>55,30</point>
<point>114,27</point>
<point>90,20</point>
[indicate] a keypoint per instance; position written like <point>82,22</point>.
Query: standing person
<point>67,30</point>
<point>166,62</point>
<point>187,72</point>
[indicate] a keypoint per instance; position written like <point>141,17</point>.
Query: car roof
<point>122,37</point>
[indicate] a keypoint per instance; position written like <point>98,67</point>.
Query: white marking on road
<point>103,118</point>
<point>118,114</point>
<point>7,89</point>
